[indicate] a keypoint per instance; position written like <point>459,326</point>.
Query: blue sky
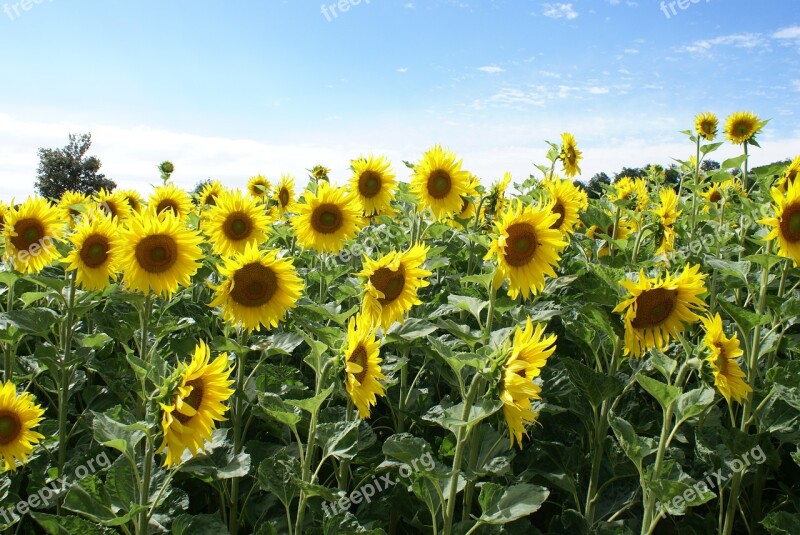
<point>228,90</point>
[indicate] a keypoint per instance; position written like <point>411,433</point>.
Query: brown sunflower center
<point>715,196</point>
<point>521,244</point>
<point>369,183</point>
<point>29,231</point>
<point>283,197</point>
<point>95,249</point>
<point>211,199</point>
<point>254,285</point>
<point>157,253</point>
<point>439,184</point>
<point>790,176</point>
<point>653,307</point>
<point>10,427</point>
<point>133,203</point>
<point>790,223</point>
<point>237,226</point>
<point>562,214</point>
<point>194,399</point>
<point>168,204</point>
<point>327,218</point>
<point>359,356</point>
<point>111,208</point>
<point>390,283</point>
<point>742,128</point>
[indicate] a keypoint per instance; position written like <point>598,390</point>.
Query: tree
<point>595,189</point>
<point>630,172</point>
<point>68,169</point>
<point>709,165</point>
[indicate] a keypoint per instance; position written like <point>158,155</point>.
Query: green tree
<point>595,188</point>
<point>69,168</point>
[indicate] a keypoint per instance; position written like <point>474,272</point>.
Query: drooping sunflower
<point>790,175</point>
<point>786,223</point>
<point>567,203</point>
<point>19,415</point>
<point>742,127</point>
<point>72,205</point>
<point>326,219</point>
<point>134,199</point>
<point>31,232</point>
<point>284,194</point>
<point>257,288</point>
<point>210,193</point>
<point>392,283</point>
<point>374,184</point>
<point>570,156</point>
<point>362,365</point>
<point>497,201</point>
<point>113,203</point>
<point>96,251</point>
<point>668,211</point>
<point>259,187</point>
<point>197,404</point>
<point>526,247</point>
<point>718,191</point>
<point>529,354</point>
<point>466,217</point>
<point>706,124</point>
<point>234,222</point>
<point>722,355</point>
<point>170,198</point>
<point>439,182</point>
<point>159,253</point>
<point>623,230</point>
<point>657,310</point>
<point>632,192</point>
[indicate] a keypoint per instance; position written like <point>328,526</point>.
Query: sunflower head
<point>632,193</point>
<point>19,415</point>
<point>320,173</point>
<point>622,232</point>
<point>31,232</point>
<point>96,250</point>
<point>667,211</point>
<point>570,156</point>
<point>73,204</point>
<point>567,202</point>
<point>326,219</point>
<point>790,175</point>
<point>284,194</point>
<point>742,127</point>
<point>210,193</point>
<point>234,222</point>
<point>373,184</point>
<point>439,183</point>
<point>362,365</point>
<point>134,200</point>
<point>114,204</point>
<point>722,355</point>
<point>169,198</point>
<point>3,214</point>
<point>259,187</point>
<point>706,124</point>
<point>786,221</point>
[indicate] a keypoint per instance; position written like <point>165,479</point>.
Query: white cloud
<point>796,85</point>
<point>402,69</point>
<point>742,40</point>
<point>595,90</point>
<point>559,11</point>
<point>491,69</point>
<point>792,32</point>
<point>409,5</point>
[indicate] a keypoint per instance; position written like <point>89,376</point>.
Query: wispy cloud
<point>402,69</point>
<point>739,40</point>
<point>792,32</point>
<point>559,11</point>
<point>491,69</point>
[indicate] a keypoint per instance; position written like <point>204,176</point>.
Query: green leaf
<point>595,386</point>
<point>781,523</point>
<point>89,499</point>
<point>338,439</point>
<point>279,475</point>
<point>503,505</point>
<point>731,268</point>
<point>275,407</point>
<point>312,404</point>
<point>745,319</point>
<point>634,446</point>
<point>734,163</point>
<point>694,402</point>
<point>665,394</point>
<point>406,448</point>
<point>35,320</point>
<point>69,525</point>
<point>410,330</point>
<point>450,418</point>
<point>711,147</point>
<point>110,432</point>
<point>468,304</point>
<point>484,280</point>
<point>198,525</point>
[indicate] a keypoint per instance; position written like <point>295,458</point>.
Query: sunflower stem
<point>144,494</point>
<point>694,190</point>
<point>8,361</point>
<point>613,233</point>
<point>237,431</point>
<point>63,394</point>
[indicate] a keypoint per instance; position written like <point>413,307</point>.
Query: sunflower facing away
<point>706,125</point>
<point>668,211</point>
<point>786,223</point>
<point>374,184</point>
<point>159,253</point>
<point>170,198</point>
<point>96,250</point>
<point>722,355</point>
<point>719,191</point>
<point>570,156</point>
<point>210,193</point>
<point>657,310</point>
<point>234,222</point>
<point>466,217</point>
<point>114,204</point>
<point>259,187</point>
<point>439,183</point>
<point>790,175</point>
<point>392,284</point>
<point>567,202</point>
<point>196,406</point>
<point>527,248</point>
<point>72,205</point>
<point>742,127</point>
<point>624,229</point>
<point>257,288</point>
<point>326,219</point>
<point>631,191</point>
<point>497,201</point>
<point>31,231</point>
<point>284,194</point>
<point>362,365</point>
<point>529,354</point>
<point>19,414</point>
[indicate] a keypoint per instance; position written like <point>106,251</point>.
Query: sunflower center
<point>10,427</point>
<point>521,244</point>
<point>254,285</point>
<point>283,197</point>
<point>111,208</point>
<point>359,356</point>
<point>133,203</point>
<point>369,183</point>
<point>388,282</point>
<point>167,204</point>
<point>439,184</point>
<point>653,307</point>
<point>194,399</point>
<point>716,196</point>
<point>29,231</point>
<point>157,253</point>
<point>327,219</point>
<point>237,226</point>
<point>790,223</point>
<point>562,213</point>
<point>211,199</point>
<point>94,251</point>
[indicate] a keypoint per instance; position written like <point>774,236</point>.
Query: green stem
<point>63,394</point>
<point>490,315</point>
<point>694,190</point>
<point>144,493</point>
<point>8,364</point>
<point>237,434</point>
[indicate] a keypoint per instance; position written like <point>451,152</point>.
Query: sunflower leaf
<point>665,394</point>
<point>504,505</point>
<point>595,386</point>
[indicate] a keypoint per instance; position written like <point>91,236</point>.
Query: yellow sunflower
<point>284,194</point>
<point>170,198</point>
<point>134,199</point>
<point>362,365</point>
<point>668,211</point>
<point>31,232</point>
<point>567,202</point>
<point>526,247</point>
<point>113,203</point>
<point>3,214</point>
<point>742,127</point>
<point>234,222</point>
<point>326,219</point>
<point>529,354</point>
<point>624,229</point>
<point>439,182</point>
<point>665,238</point>
<point>197,404</point>
<point>96,250</point>
<point>392,284</point>
<point>497,201</point>
<point>722,355</point>
<point>210,193</point>
<point>790,175</point>
<point>159,253</point>
<point>657,310</point>
<point>72,205</point>
<point>786,223</point>
<point>570,156</point>
<point>19,415</point>
<point>465,218</point>
<point>258,186</point>
<point>374,184</point>
<point>706,124</point>
<point>257,288</point>
<point>632,192</point>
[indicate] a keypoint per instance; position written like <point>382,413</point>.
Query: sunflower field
<point>388,357</point>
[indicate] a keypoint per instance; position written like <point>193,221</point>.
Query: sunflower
<point>374,184</point>
<point>665,238</point>
<point>326,219</point>
<point>113,203</point>
<point>790,175</point>
<point>527,248</point>
<point>566,202</point>
<point>706,125</point>
<point>320,172</point>
<point>170,198</point>
<point>284,194</point>
<point>632,192</point>
<point>786,222</point>
<point>3,214</point>
<point>392,284</point>
<point>31,231</point>
<point>19,414</point>
<point>570,156</point>
<point>667,211</point>
<point>96,250</point>
<point>210,193</point>
<point>624,229</point>
<point>72,205</point>
<point>234,222</point>
<point>529,354</point>
<point>723,352</point>
<point>258,186</point>
<point>497,200</point>
<point>257,288</point>
<point>439,182</point>
<point>197,404</point>
<point>362,365</point>
<point>134,200</point>
<point>657,310</point>
<point>742,127</point>
<point>159,253</point>
<point>719,191</point>
<point>465,217</point>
